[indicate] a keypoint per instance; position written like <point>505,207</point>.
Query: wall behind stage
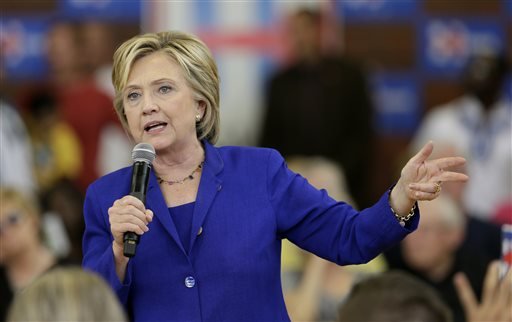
<point>414,52</point>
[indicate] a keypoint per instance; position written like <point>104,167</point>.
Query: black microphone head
<point>143,152</point>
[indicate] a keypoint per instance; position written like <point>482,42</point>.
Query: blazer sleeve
<point>333,230</point>
<point>97,246</point>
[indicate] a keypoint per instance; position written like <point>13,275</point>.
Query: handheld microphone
<point>143,155</point>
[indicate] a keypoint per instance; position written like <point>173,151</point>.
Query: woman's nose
<point>149,106</point>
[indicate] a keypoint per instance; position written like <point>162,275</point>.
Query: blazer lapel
<point>209,186</point>
<point>156,202</point>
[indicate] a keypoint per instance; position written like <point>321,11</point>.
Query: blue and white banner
<point>447,44</point>
<point>371,10</point>
<point>23,47</point>
<point>106,10</point>
<point>396,99</point>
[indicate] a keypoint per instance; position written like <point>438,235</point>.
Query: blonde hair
<point>198,67</point>
<point>66,294</point>
<point>22,200</point>
<point>323,173</point>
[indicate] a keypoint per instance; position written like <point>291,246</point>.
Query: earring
<point>198,117</point>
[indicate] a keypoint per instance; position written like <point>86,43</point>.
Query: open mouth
<point>154,126</point>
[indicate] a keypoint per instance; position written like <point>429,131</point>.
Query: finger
<point>449,162</point>
<point>465,293</point>
<point>127,218</point>
<point>446,176</point>
<point>126,226</point>
<point>423,154</point>
<point>149,215</point>
<point>429,187</point>
<point>505,288</point>
<point>127,214</point>
<point>120,212</point>
<point>491,280</point>
<point>131,200</point>
<point>420,195</point>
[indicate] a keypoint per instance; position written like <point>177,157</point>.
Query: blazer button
<point>200,231</point>
<point>190,281</point>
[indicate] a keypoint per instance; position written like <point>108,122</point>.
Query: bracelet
<point>403,219</point>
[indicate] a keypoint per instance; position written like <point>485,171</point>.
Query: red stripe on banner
<point>268,41</point>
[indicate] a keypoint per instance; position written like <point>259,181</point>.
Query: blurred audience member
<point>393,296</point>
<point>63,203</point>
<point>99,47</point>
<point>82,105</point>
<point>67,294</point>
<point>496,300</point>
<point>319,105</point>
<point>435,252</point>
<point>479,125</point>
<point>56,149</point>
<point>16,168</point>
<point>481,236</point>
<point>23,255</point>
<point>314,287</point>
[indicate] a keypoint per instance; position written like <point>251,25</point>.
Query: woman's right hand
<point>127,214</point>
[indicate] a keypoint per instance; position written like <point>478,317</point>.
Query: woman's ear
<point>201,108</point>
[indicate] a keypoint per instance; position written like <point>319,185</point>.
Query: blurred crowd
<point>59,135</point>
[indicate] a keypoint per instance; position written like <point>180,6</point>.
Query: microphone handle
<point>131,239</point>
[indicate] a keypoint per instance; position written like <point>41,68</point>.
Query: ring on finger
<point>437,187</point>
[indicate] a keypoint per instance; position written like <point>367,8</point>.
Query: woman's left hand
<point>421,179</point>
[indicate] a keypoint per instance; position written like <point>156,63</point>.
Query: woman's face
<point>17,230</point>
<point>159,103</point>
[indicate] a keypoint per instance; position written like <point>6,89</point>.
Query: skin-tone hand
<point>126,214</point>
<point>496,304</point>
<point>421,179</point>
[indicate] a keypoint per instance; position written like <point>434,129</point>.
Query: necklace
<point>182,181</point>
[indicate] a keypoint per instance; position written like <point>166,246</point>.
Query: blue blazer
<point>248,200</point>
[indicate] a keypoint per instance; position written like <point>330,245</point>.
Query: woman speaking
<point>211,229</point>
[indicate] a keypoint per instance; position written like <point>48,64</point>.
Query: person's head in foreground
<point>67,294</point>
<point>393,296</point>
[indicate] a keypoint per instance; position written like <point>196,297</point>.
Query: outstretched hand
<point>422,179</point>
<point>496,297</point>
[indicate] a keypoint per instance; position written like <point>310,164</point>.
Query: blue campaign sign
<point>365,10</point>
<point>108,10</point>
<point>447,44</point>
<point>396,102</point>
<point>22,43</point>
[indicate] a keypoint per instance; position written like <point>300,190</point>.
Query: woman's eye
<point>133,96</point>
<point>165,89</point>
